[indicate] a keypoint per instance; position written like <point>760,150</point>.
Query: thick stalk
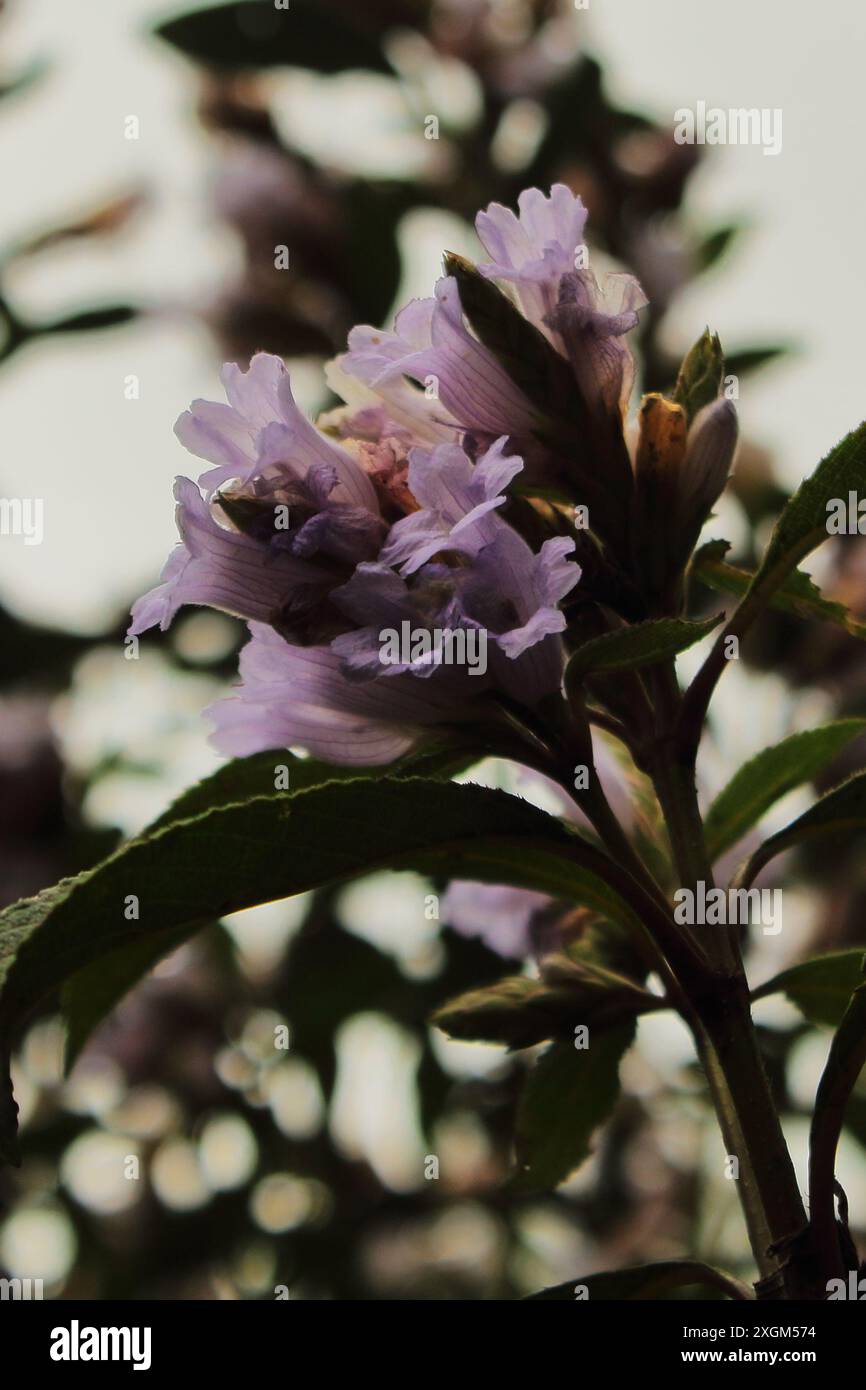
<point>719,1015</point>
<point>766,1182</point>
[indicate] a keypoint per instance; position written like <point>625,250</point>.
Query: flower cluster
<point>412,509</point>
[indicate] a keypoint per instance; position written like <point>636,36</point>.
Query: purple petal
<point>299,697</point>
<point>219,568</point>
<point>458,497</point>
<point>535,249</point>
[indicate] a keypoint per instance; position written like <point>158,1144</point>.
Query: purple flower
<point>288,516</point>
<point>219,567</point>
<point>514,594</point>
<point>432,345</point>
<point>501,588</point>
<point>592,320</point>
<point>456,498</point>
<point>535,249</point>
<point>299,697</point>
<point>262,433</point>
<point>395,407</point>
<point>374,557</point>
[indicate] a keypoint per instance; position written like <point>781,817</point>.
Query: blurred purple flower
<point>502,917</point>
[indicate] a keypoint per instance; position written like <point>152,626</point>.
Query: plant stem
<point>719,1015</point>
<point>766,1182</point>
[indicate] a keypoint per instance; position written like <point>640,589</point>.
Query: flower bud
<point>711,444</point>
<point>659,464</point>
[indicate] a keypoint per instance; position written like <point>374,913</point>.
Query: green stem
<point>766,1182</point>
<point>720,1018</point>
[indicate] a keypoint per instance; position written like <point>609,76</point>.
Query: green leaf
<point>34,72</point>
<point>842,809</point>
<point>803,523</point>
<point>243,778</point>
<point>645,1281</point>
<point>821,988</point>
<point>188,873</point>
<point>568,1094</point>
<point>521,1012</point>
<point>91,994</point>
<point>517,1011</point>
<point>641,644</point>
<point>700,376</point>
<point>770,775</point>
<point>315,34</point>
<point>799,595</point>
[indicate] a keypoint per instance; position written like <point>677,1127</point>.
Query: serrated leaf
<point>567,1095</point>
<point>310,34</point>
<point>770,775</point>
<point>243,778</point>
<point>521,1012</point>
<point>641,644</point>
<point>517,1011</point>
<point>799,595</point>
<point>644,1282</point>
<point>193,871</point>
<point>842,809</point>
<point>820,988</point>
<point>803,523</point>
<point>95,990</point>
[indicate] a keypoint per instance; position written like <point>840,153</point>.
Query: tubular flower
<point>393,579</point>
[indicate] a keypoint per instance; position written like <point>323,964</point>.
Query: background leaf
<point>744,360</point>
<point>255,34</point>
